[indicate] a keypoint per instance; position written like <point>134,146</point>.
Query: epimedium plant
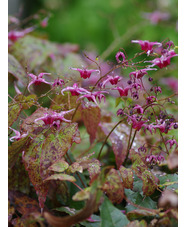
<point>125,173</point>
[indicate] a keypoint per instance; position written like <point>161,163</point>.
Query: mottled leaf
<point>59,166</point>
<point>137,214</point>
<point>22,203</point>
<point>94,168</point>
<point>61,176</point>
<point>111,216</point>
<point>31,51</point>
<point>56,146</point>
<point>113,186</point>
<point>16,148</point>
<point>16,69</point>
<point>141,170</point>
<point>119,139</point>
<point>75,167</point>
<point>141,223</point>
<point>18,178</point>
<point>91,116</point>
<point>14,110</point>
<point>26,101</point>
<point>127,176</point>
<point>31,159</point>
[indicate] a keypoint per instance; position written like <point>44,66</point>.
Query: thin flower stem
<point>107,138</point>
<point>128,149</point>
<point>164,142</point>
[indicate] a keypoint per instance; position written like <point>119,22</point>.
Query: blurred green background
<point>103,25</point>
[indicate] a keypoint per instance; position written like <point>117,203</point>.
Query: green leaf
<point>61,177</point>
<point>138,199</point>
<point>59,166</point>
<point>91,116</point>
<point>170,181</point>
<point>111,216</point>
<point>117,102</point>
<point>81,195</point>
<point>14,110</point>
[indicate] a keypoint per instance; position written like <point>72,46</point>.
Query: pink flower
<point>138,108</point>
<point>44,22</point>
<point>85,73</point>
<point>136,121</point>
<point>91,96</point>
<point>156,16</point>
<point>75,90</point>
<point>18,135</point>
<point>140,73</point>
<point>164,60</point>
<point>58,82</point>
<point>151,99</point>
<point>54,119</point>
<point>112,79</point>
<point>146,45</point>
<point>120,57</point>
<point>122,91</point>
<point>164,126</point>
<point>15,35</point>
<point>37,80</point>
<point>172,142</point>
<point>149,127</point>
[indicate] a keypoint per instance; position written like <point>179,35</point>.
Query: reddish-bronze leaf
<point>22,203</point>
<point>31,159</point>
<point>91,116</point>
<point>127,176</point>
<point>113,186</point>
<point>119,139</point>
<point>56,146</point>
<point>14,110</point>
